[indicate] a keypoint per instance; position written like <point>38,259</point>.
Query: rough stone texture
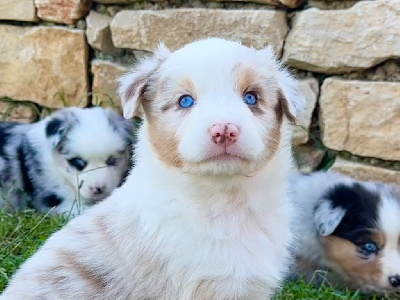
<point>310,90</point>
<point>116,1</point>
<point>344,40</point>
<point>288,3</point>
<point>361,117</point>
<point>332,4</point>
<point>62,11</point>
<point>98,32</point>
<point>362,171</point>
<point>308,157</point>
<point>19,10</point>
<point>36,63</point>
<point>14,111</point>
<point>105,84</point>
<point>143,30</point>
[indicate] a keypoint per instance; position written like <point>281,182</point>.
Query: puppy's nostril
<point>394,281</point>
<point>98,190</point>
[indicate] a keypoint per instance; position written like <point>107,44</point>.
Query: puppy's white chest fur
<point>227,240</point>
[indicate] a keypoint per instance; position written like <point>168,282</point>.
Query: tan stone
<point>18,112</point>
<point>310,89</point>
<point>105,83</point>
<point>361,117</point>
<point>308,157</point>
<point>365,172</point>
<point>43,65</point>
<point>98,32</point>
<point>19,10</point>
<point>336,41</point>
<point>62,11</point>
<point>144,29</point>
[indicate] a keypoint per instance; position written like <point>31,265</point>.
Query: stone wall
<point>56,53</point>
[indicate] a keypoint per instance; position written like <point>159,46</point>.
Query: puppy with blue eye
<point>66,162</point>
<point>350,229</point>
<point>205,212</point>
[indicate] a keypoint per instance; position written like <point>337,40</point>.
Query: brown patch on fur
<point>274,137</point>
<point>165,144</point>
<point>305,265</point>
<point>345,254</point>
<point>188,85</point>
<point>379,238</point>
<point>70,260</point>
<point>285,107</point>
<point>247,81</point>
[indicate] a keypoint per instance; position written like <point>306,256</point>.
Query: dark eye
<point>250,98</point>
<point>112,161</point>
<point>369,248</point>
<point>186,101</point>
<point>78,163</point>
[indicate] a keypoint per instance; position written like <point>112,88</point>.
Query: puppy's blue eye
<point>250,98</point>
<point>369,248</point>
<point>186,101</point>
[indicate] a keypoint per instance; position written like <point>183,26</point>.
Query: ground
<point>21,233</point>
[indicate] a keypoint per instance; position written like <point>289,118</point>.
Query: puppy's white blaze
<point>389,212</point>
<point>196,142</point>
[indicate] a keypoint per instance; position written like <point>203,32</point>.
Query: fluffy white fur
<point>206,223</point>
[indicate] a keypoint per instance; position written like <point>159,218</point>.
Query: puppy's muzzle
<point>224,134</point>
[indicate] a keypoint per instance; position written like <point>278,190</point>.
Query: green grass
<point>22,233</point>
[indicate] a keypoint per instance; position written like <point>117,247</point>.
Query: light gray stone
<point>336,41</point>
<point>310,89</point>
<point>98,32</point>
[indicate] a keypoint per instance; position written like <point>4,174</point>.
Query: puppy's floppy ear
<point>289,94</point>
<point>122,126</point>
<point>327,218</point>
<point>58,126</point>
<point>133,84</point>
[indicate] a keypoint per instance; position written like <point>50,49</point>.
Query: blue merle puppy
<point>73,158</point>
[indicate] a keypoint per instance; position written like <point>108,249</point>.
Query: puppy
<point>69,160</point>
<point>350,229</point>
<point>205,212</point>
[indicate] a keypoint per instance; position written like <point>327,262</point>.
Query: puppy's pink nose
<point>224,134</point>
